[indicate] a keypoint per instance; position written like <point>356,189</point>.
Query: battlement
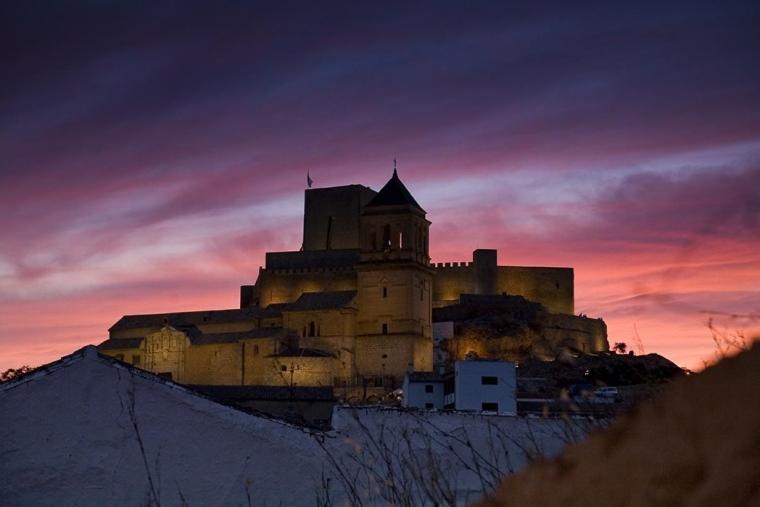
<point>444,265</point>
<point>311,260</point>
<point>314,269</point>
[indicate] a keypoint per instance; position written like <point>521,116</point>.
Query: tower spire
<point>395,174</point>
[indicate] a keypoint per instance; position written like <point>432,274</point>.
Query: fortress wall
<point>450,280</point>
<point>285,286</point>
<point>552,287</point>
<point>321,259</point>
<point>589,335</point>
<point>217,364</point>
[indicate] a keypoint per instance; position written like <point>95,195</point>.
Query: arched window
<point>400,239</point>
<point>386,236</point>
<point>312,328</point>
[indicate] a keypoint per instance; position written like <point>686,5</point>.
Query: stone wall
<point>393,355</point>
<point>215,364</point>
<point>331,216</point>
<point>551,287</point>
<point>292,370</point>
<point>286,286</point>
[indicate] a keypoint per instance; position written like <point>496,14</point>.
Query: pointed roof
<point>394,193</point>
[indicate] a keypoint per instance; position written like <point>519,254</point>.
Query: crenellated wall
<point>551,287</point>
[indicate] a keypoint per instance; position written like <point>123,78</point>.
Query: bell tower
<point>394,282</point>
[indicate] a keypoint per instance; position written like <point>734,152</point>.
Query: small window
<point>283,368</point>
<point>489,407</point>
<point>489,381</point>
<point>385,356</point>
<point>385,328</point>
<point>312,328</point>
<point>428,388</point>
<point>401,239</point>
<point>429,406</point>
<point>136,360</point>
<point>385,292</point>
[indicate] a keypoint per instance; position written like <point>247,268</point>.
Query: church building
<point>353,307</point>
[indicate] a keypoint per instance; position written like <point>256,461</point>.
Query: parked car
<point>607,394</point>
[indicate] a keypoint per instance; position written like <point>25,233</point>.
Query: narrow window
<point>489,407</point>
<point>312,328</point>
<point>428,388</point>
<point>489,381</point>
<point>374,240</point>
<point>386,236</point>
<point>400,239</point>
<point>385,328</point>
<point>385,292</point>
<point>328,242</point>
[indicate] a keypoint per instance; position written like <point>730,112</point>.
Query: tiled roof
<point>124,343</point>
<point>210,338</point>
<point>394,193</point>
<point>197,337</point>
<point>193,318</point>
<point>322,301</point>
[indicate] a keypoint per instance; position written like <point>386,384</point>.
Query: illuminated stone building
<point>352,307</point>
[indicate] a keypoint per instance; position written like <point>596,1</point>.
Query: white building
<point>484,386</point>
<point>474,386</point>
<point>423,390</point>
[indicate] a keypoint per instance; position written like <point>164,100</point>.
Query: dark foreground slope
<point>697,444</point>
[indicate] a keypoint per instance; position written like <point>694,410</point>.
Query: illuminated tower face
<point>394,285</point>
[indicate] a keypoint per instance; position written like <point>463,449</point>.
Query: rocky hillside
<point>513,328</point>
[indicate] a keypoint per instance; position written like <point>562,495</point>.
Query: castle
<point>353,307</point>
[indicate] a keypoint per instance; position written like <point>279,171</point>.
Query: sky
<point>152,152</point>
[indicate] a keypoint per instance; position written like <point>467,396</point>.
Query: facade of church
<point>352,308</point>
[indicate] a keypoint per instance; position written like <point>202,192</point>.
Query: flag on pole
<point>309,181</point>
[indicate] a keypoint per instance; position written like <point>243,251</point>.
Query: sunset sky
<point>150,155</point>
